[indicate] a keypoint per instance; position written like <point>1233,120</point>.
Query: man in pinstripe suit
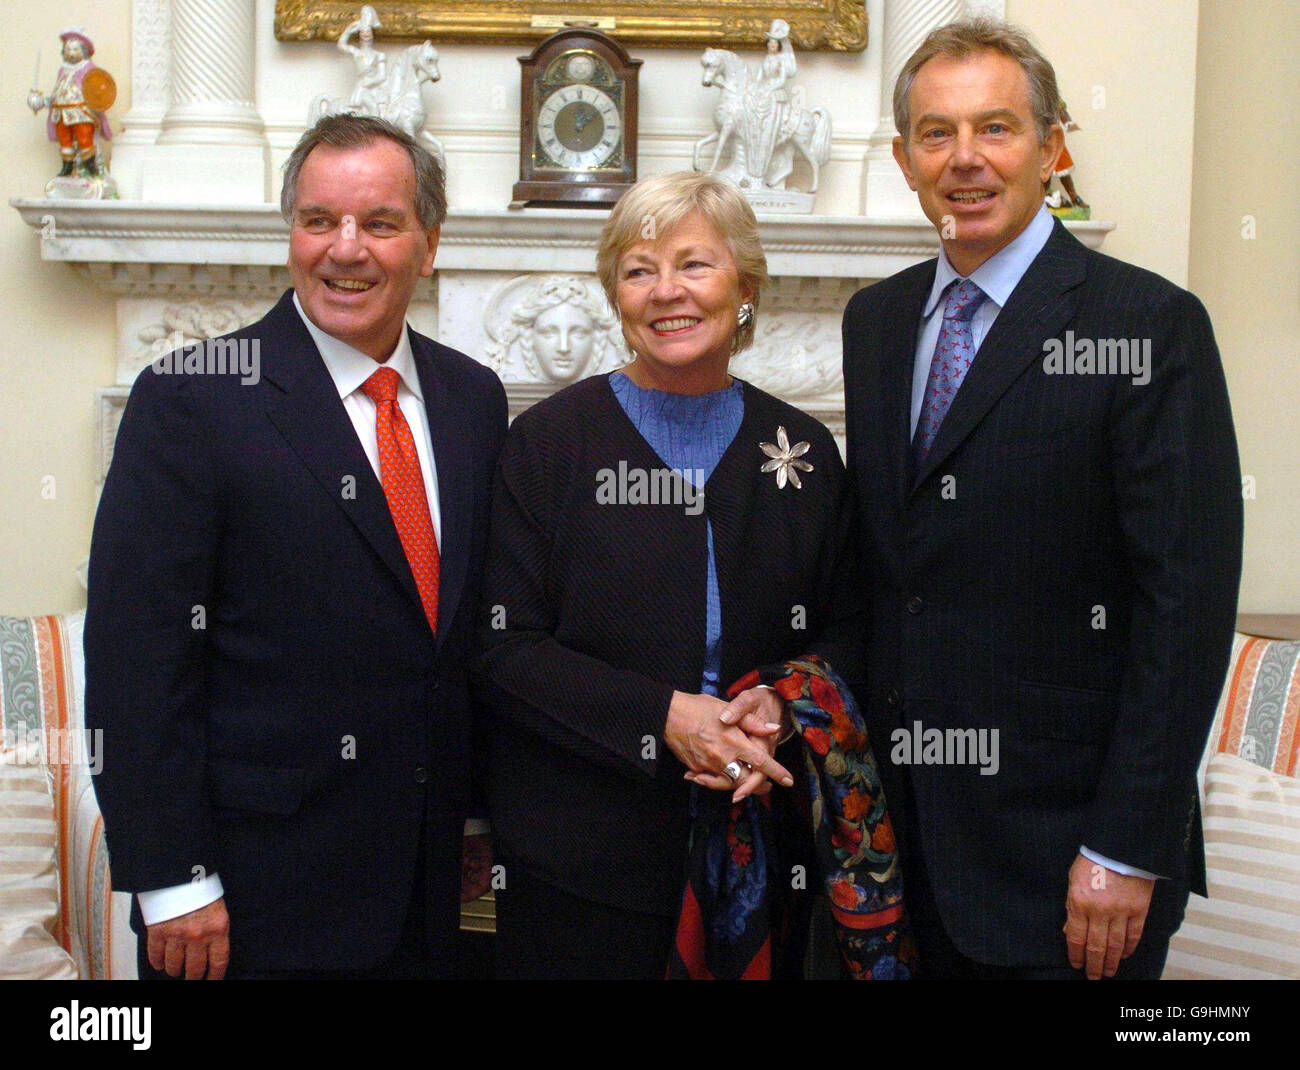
<point>1051,527</point>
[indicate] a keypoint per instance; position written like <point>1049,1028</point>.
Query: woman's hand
<point>760,713</point>
<point>696,733</point>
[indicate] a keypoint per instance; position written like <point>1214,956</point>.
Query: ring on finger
<point>732,769</point>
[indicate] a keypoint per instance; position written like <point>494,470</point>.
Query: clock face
<point>577,121</point>
<point>579,127</point>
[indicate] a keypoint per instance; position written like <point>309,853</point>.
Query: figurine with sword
<point>81,95</point>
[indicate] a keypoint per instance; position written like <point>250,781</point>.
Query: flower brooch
<point>784,459</point>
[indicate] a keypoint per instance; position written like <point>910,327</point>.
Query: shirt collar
<point>350,368</point>
<point>1000,273</point>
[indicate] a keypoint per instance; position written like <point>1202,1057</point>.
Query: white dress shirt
<point>349,368</point>
<point>997,277</point>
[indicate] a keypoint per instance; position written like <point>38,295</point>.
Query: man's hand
<point>1105,913</point>
<point>197,942</point>
<point>475,867</point>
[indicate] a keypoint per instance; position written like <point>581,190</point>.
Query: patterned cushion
<point>41,690</point>
<point>1259,711</point>
<point>1250,925</point>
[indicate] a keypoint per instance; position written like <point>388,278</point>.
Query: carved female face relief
<point>558,326</point>
<point>563,341</point>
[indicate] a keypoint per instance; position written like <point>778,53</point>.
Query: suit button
<point>914,604</point>
<point>421,774</point>
<point>893,698</point>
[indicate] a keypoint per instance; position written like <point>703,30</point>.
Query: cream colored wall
<point>1247,138</point>
<point>1133,155</point>
<point>56,330</point>
<point>1134,163</point>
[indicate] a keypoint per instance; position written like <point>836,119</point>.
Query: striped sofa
<point>1250,925</point>
<point>59,916</point>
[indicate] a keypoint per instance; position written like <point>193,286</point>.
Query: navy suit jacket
<point>1063,568</point>
<point>275,707</point>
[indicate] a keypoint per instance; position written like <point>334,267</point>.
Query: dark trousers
<point>546,933</point>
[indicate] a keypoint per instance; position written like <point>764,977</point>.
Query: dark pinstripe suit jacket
<point>1062,569</point>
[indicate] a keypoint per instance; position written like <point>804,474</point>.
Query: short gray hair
<point>357,132</point>
<point>965,37</point>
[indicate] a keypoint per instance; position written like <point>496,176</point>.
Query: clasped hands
<point>706,734</point>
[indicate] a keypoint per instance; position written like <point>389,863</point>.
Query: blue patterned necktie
<point>952,358</point>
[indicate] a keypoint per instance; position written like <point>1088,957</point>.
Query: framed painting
<point>826,25</point>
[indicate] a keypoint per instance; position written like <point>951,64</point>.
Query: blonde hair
<point>654,206</point>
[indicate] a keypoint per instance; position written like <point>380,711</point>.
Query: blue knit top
<point>690,432</point>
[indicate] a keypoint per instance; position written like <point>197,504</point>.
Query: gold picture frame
<point>821,25</point>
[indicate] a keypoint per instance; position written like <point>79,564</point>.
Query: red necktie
<point>399,471</point>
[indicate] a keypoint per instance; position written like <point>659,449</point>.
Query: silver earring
<point>744,316</point>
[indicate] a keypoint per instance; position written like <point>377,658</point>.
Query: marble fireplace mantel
<point>197,271</point>
<point>107,240</point>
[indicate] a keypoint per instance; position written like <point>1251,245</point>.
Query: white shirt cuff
<point>1118,867</point>
<point>163,904</point>
<point>477,826</point>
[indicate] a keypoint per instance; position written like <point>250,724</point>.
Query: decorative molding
<point>829,25</point>
<point>151,58</point>
<point>181,239</point>
<point>110,402</point>
<point>179,281</point>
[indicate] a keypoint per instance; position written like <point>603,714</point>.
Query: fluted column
<point>212,147</point>
<point>907,22</point>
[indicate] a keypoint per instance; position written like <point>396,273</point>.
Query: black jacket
<point>600,615</point>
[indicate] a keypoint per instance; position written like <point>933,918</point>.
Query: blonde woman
<point>657,533</point>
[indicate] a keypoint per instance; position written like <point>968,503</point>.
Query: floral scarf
<point>729,914</point>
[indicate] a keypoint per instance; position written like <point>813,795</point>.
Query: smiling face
<point>563,341</point>
<point>972,153</point>
<point>356,247</point>
<point>678,298</point>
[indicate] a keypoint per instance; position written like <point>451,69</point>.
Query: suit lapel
<point>310,415</point>
<point>454,461</point>
<point>897,363</point>
<point>1039,308</point>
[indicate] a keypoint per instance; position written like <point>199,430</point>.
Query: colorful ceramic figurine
<point>81,95</point>
<point>1066,202</point>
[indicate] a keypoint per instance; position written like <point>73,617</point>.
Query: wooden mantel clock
<point>577,124</point>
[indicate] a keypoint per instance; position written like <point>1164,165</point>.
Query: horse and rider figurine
<point>762,125</point>
<point>395,94</point>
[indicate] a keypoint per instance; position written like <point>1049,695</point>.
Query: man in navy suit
<point>284,580</point>
<point>1043,452</point>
